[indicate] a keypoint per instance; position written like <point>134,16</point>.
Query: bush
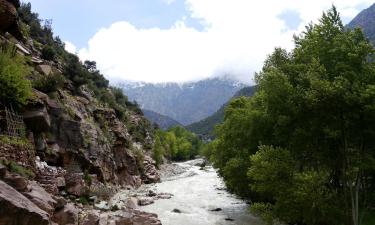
<point>15,89</point>
<point>48,53</point>
<point>49,83</point>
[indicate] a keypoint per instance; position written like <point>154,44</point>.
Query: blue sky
<point>183,40</point>
<point>78,21</point>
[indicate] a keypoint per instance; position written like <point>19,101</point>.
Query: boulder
<point>67,215</point>
<point>91,218</point>
<point>75,184</point>
<point>16,209</point>
<point>131,203</point>
<point>102,205</point>
<point>45,69</point>
<point>151,174</point>
<point>17,182</point>
<point>37,120</point>
<point>132,217</point>
<point>60,202</point>
<point>216,210</point>
<point>60,182</point>
<point>141,218</point>
<point>145,201</point>
<point>176,211</point>
<point>41,198</point>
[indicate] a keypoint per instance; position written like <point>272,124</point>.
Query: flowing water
<point>197,193</point>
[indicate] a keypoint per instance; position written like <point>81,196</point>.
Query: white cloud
<point>70,47</point>
<point>168,1</point>
<point>237,37</point>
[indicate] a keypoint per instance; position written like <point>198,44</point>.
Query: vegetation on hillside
<point>176,144</point>
<point>302,148</point>
<point>75,76</point>
<point>15,90</point>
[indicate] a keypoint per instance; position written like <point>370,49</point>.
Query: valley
<point>127,140</point>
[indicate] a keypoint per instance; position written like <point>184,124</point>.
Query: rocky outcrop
<point>41,198</point>
<point>151,174</point>
<point>16,209</point>
<point>37,119</point>
<point>8,17</point>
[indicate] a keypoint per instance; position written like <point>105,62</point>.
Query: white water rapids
<point>196,194</point>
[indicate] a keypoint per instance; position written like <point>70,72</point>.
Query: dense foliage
<point>15,90</point>
<point>80,78</point>
<point>303,147</point>
<point>176,144</point>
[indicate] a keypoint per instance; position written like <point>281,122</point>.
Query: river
<point>201,198</point>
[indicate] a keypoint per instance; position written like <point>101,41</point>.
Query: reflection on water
<point>202,200</point>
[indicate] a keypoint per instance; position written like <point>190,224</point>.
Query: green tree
<point>318,104</point>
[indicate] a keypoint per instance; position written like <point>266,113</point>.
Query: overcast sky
<point>183,40</point>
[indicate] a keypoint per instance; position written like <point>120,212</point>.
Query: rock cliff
<point>77,150</point>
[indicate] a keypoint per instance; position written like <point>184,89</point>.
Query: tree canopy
<point>302,148</point>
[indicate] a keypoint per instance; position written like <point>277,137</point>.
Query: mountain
<point>365,20</point>
<point>164,122</point>
<point>206,126</point>
<point>186,103</point>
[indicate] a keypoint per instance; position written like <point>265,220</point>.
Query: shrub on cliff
<point>14,88</point>
<point>48,53</point>
<point>49,83</point>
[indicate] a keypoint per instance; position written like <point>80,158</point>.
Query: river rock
<point>176,211</point>
<point>145,201</point>
<point>216,210</point>
<point>16,209</point>
<point>103,205</point>
<point>164,196</point>
<point>129,217</point>
<point>131,203</point>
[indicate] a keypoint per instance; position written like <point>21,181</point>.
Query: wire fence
<point>11,123</point>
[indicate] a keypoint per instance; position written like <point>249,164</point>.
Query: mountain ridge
<point>206,126</point>
<point>183,102</point>
<point>366,21</point>
<point>162,121</point>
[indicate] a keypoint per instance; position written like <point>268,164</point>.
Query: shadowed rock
<point>16,209</point>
